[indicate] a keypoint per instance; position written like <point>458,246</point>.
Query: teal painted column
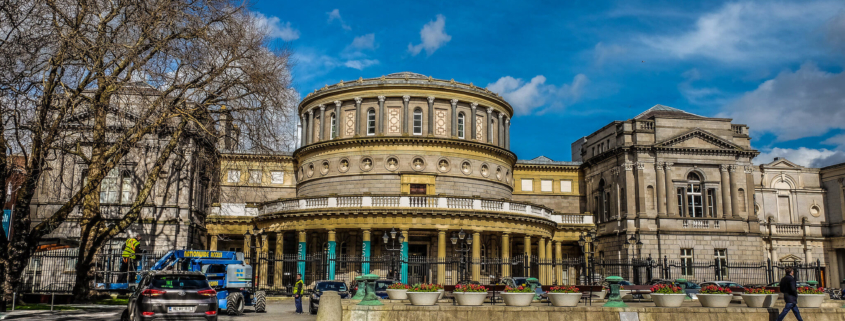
<point>365,253</point>
<point>404,256</point>
<point>300,251</point>
<point>332,254</point>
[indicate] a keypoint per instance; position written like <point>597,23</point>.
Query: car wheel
<point>311,309</point>
<point>260,301</point>
<point>125,315</point>
<point>235,303</point>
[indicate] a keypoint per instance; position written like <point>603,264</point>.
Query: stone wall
<point>351,184</point>
<point>460,186</point>
<point>559,203</point>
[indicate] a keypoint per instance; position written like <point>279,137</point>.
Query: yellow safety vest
<point>298,287</point>
<point>129,249</point>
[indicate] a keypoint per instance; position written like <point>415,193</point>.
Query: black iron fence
<point>54,271</point>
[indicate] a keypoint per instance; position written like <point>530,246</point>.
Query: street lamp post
<point>637,250</point>
<point>256,233</point>
<point>463,247</point>
<point>586,243</point>
<point>393,248</point>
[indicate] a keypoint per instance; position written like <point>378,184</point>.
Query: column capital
<point>358,100</point>
<point>473,105</point>
<point>381,99</point>
<point>337,103</point>
<point>507,120</point>
<point>749,169</point>
<point>454,102</point>
<point>640,166</point>
<point>310,112</point>
<point>430,99</point>
<point>489,110</point>
<point>506,233</point>
<point>733,168</point>
<point>628,166</point>
<point>500,117</point>
<point>322,107</point>
<point>668,165</point>
<point>658,165</point>
<point>724,168</point>
<point>406,98</point>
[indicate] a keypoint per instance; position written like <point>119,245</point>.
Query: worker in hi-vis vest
<point>127,261</point>
<point>298,289</point>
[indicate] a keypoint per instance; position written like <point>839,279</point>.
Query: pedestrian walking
<point>298,288</point>
<point>790,295</point>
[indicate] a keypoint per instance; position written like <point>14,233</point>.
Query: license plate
<point>180,309</point>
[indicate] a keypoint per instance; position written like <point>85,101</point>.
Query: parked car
<point>517,281</point>
<point>777,284</point>
<point>381,288</point>
<point>721,284</point>
<point>172,295</point>
<point>322,286</point>
<point>690,288</point>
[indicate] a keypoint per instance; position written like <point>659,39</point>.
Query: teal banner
<point>404,256</point>
<point>332,259</point>
<point>300,251</point>
<point>7,222</point>
<point>365,258</point>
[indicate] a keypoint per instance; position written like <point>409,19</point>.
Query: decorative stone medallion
<point>343,165</point>
<point>485,171</point>
<point>499,173</point>
<point>367,163</point>
<point>350,123</point>
<point>466,167</point>
<point>443,165</point>
<point>310,170</point>
<point>815,210</point>
<point>324,167</point>
<point>507,176</point>
<point>392,163</point>
<point>418,164</point>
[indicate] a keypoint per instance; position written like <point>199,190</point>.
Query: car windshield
<point>331,286</point>
<point>185,282</point>
<point>382,285</point>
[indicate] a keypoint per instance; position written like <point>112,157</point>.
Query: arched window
<point>461,121</point>
<point>695,206</point>
<point>334,126</point>
<point>603,202</point>
<point>371,122</point>
<point>417,121</point>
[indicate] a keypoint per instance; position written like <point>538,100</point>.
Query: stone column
<point>476,256</point>
<point>404,256</point>
<point>734,198</point>
<point>322,129</point>
<point>303,130</point>
<point>671,197</point>
<point>501,142</point>
<point>641,203</point>
<point>473,106</point>
<point>358,101</point>
<point>489,125</point>
<point>430,115</point>
<point>310,126</point>
<point>526,262</point>
<point>661,190</point>
<point>441,256</point>
<point>506,254</point>
<point>212,242</point>
<point>749,195</point>
<point>381,123</point>
<point>541,255</point>
<point>365,252</point>
<point>455,119</point>
<point>262,275</point>
<point>406,114</point>
<point>507,133</point>
<point>337,119</point>
<point>300,253</point>
<point>549,270</point>
<point>280,267</point>
<point>332,255</point>
<point>247,248</point>
<point>630,190</point>
<point>726,192</point>
<point>559,264</point>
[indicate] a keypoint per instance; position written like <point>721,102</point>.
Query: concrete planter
<point>759,300</point>
<point>625,294</point>
<point>423,298</point>
<point>564,299</point>
<point>442,293</point>
<point>668,300</point>
<point>397,294</point>
<point>518,299</point>
<point>810,300</point>
<point>600,295</point>
<point>470,298</point>
<point>714,300</point>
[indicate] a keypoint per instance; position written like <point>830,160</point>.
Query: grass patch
<point>41,306</point>
<point>113,302</point>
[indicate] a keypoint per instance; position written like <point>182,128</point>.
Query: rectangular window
<point>565,186</point>
<point>255,176</point>
<point>461,127</point>
<point>546,185</point>
<point>277,177</point>
<point>711,202</point>
<point>371,123</point>
<point>721,256</point>
<point>680,201</point>
<point>417,189</point>
<point>109,188</point>
<point>126,190</point>
<point>527,185</point>
<point>686,262</point>
<point>695,207</point>
<point>334,127</point>
<point>417,123</point>
<point>234,176</point>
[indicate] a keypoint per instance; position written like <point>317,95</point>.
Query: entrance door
<point>419,269</point>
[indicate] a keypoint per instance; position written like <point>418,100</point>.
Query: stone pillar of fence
<point>247,247</point>
<point>332,255</point>
<point>365,252</point>
<point>441,256</point>
<point>476,256</point>
<point>278,270</point>
<point>262,274</point>
<point>212,242</point>
<point>506,254</point>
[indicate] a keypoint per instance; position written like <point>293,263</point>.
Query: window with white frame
<point>255,176</point>
<point>277,177</point>
<point>711,202</point>
<point>546,185</point>
<point>116,187</point>
<point>461,121</point>
<point>527,185</point>
<point>680,200</point>
<point>721,256</point>
<point>687,262</point>
<point>695,207</point>
<point>371,122</point>
<point>417,121</point>
<point>234,176</point>
<point>334,126</point>
<point>566,186</point>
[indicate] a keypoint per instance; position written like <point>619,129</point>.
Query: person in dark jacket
<point>790,295</point>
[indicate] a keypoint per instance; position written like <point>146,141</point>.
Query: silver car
<point>172,295</point>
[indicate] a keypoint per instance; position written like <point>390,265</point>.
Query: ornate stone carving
<point>499,173</point>
<point>317,128</point>
<point>381,98</point>
<point>391,164</point>
<point>466,167</point>
<point>358,100</point>
<point>473,105</point>
<point>310,170</point>
<point>440,122</point>
<point>479,128</point>
<point>640,166</point>
<point>668,166</point>
<point>430,99</point>
<point>418,164</point>
<point>324,169</point>
<point>360,80</point>
<point>350,123</point>
<point>443,165</point>
<point>749,169</point>
<point>733,168</point>
<point>393,120</point>
<point>322,107</point>
<point>489,110</point>
<point>366,164</point>
<point>724,168</point>
<point>337,103</point>
<point>628,166</point>
<point>485,171</point>
<point>344,165</point>
<point>454,102</point>
<point>406,98</point>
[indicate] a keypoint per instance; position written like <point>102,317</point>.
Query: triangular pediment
<point>114,118</point>
<point>781,162</point>
<point>790,258</point>
<point>698,138</point>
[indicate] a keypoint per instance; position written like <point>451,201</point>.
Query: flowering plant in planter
<point>520,289</point>
<point>715,289</point>
<point>666,289</point>
<point>757,291</point>
<point>423,287</point>
<point>398,286</point>
<point>470,288</point>
<point>564,289</point>
<point>810,290</point>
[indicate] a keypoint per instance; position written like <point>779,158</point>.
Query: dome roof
<point>406,74</point>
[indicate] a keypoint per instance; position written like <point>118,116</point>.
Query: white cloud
<point>528,97</point>
<point>835,32</point>
<point>698,95</point>
<point>602,52</point>
<point>749,31</point>
<point>335,15</point>
<point>838,140</point>
<point>806,103</point>
<point>803,156</point>
<point>364,42</point>
<point>275,28</point>
<point>433,37</point>
<point>360,64</point>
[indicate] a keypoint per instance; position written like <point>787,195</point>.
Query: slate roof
<point>660,110</point>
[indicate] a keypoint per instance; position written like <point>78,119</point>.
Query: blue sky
<point>571,67</point>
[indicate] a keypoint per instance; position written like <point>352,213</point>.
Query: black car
<point>323,286</point>
<point>381,288</point>
<point>172,295</point>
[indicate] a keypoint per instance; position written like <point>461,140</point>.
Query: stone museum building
<point>408,166</point>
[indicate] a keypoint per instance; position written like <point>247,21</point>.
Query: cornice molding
<point>394,140</point>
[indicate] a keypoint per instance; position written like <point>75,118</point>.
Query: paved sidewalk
<point>86,312</point>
